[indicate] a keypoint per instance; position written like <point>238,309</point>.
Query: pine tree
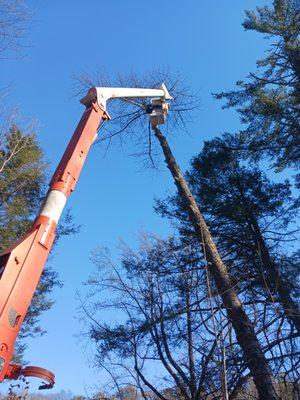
<point>250,218</point>
<point>22,186</point>
<point>252,222</point>
<point>22,176</point>
<point>244,330</point>
<point>268,102</point>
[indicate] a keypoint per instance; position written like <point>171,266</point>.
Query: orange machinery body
<point>21,265</point>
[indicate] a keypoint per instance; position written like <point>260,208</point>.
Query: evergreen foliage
<point>22,187</point>
<point>252,221</point>
<point>268,102</point>
<point>22,176</point>
<point>245,212</point>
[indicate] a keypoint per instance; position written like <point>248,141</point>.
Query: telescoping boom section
<point>22,264</point>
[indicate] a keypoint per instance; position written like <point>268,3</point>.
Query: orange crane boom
<point>22,264</point>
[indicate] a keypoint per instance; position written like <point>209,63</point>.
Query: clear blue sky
<point>203,40</point>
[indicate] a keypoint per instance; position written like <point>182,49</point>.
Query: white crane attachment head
<point>157,109</point>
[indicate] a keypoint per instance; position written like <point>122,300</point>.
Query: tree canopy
<point>268,102</point>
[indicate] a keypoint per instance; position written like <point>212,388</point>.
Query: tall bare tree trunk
<point>242,325</point>
<point>276,282</point>
<point>190,342</point>
<point>273,277</point>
